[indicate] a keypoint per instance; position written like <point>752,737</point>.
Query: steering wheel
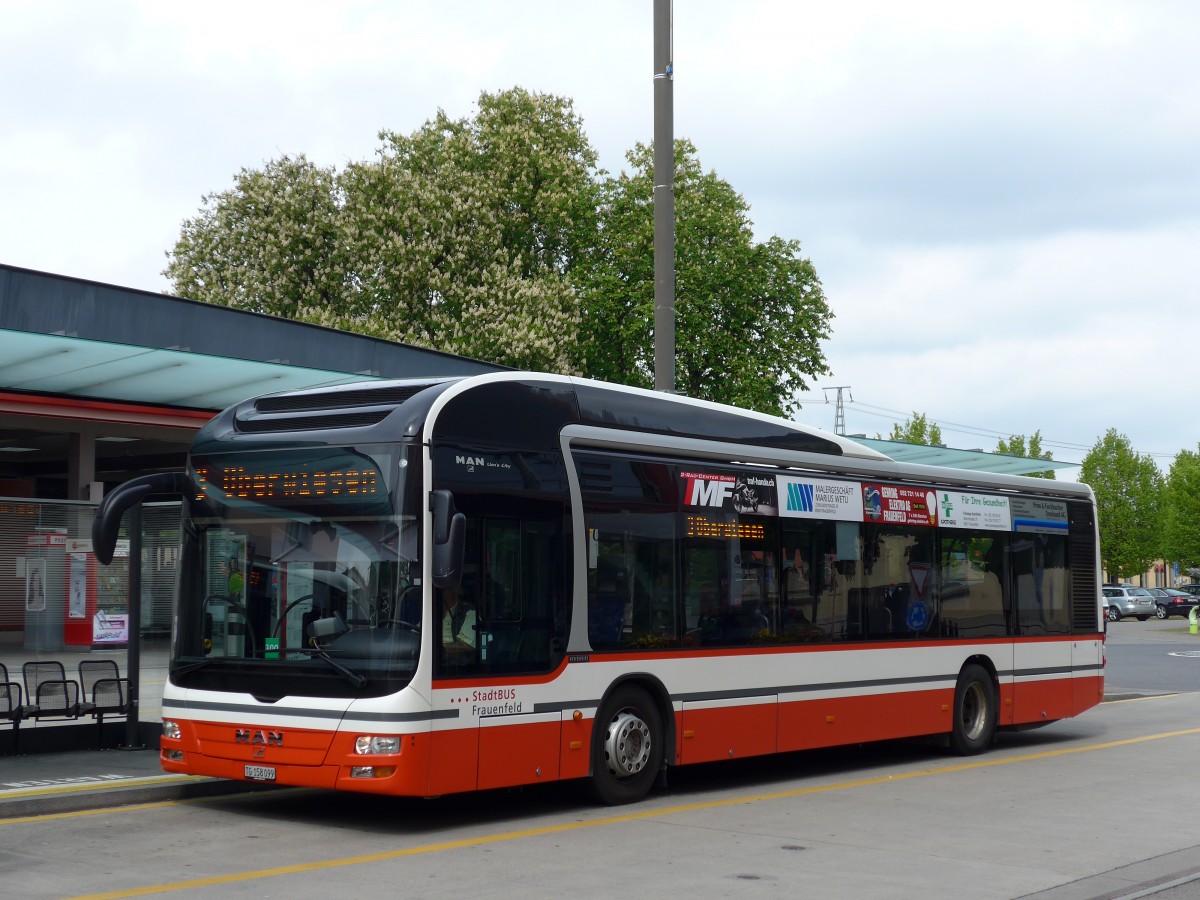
<point>287,609</point>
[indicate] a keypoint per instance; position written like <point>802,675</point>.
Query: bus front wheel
<point>627,746</point>
<point>974,711</point>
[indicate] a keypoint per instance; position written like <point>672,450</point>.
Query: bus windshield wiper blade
<point>355,678</point>
<point>191,667</point>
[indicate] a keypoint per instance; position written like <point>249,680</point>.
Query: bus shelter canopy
<point>971,460</point>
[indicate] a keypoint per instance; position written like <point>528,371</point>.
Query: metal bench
<point>10,704</point>
<point>49,694</point>
<point>105,692</point>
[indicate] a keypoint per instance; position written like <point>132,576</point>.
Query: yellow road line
<point>501,837</point>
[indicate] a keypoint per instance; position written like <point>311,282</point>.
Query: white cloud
<point>1000,197</point>
<point>1070,335</point>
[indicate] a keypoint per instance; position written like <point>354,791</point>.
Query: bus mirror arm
<point>107,524</point>
<point>449,531</point>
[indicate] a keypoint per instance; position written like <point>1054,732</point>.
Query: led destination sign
<point>704,527</point>
<point>339,477</point>
<point>272,486</point>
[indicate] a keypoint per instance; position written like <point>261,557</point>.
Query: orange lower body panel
<point>727,732</point>
<point>298,757</point>
<point>809,724</point>
<point>446,762</point>
<point>524,754</point>
<point>1049,701</point>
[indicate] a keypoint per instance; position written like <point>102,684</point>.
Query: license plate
<point>260,773</point>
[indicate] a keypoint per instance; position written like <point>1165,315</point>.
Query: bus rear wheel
<point>974,711</point>
<point>627,746</point>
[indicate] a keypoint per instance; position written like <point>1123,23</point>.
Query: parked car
<point>1123,600</point>
<point>1172,602</point>
<point>1190,588</point>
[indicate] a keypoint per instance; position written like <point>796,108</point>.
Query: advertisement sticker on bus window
<point>820,498</point>
<point>979,511</point>
<point>895,505</point>
<point>745,493</point>
<point>1033,514</point>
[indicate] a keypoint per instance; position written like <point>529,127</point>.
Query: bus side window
<point>606,606</point>
<point>806,602</point>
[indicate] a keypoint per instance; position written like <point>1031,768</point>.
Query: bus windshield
<point>300,572</point>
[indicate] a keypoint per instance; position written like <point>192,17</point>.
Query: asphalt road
<point>1151,657</point>
<point>1101,806</point>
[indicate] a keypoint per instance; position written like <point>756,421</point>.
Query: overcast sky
<point>1002,199</point>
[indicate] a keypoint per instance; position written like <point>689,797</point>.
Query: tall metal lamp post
<point>664,201</point>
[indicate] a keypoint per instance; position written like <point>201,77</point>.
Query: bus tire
<point>974,711</point>
<point>627,746</point>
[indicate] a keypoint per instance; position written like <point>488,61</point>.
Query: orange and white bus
<point>422,587</point>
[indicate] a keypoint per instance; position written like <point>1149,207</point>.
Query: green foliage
<point>1016,446</point>
<point>463,234</point>
<point>1129,503</point>
<point>749,316</point>
<point>267,245</point>
<point>497,237</point>
<point>917,430</point>
<point>1181,519</point>
<point>459,237</point>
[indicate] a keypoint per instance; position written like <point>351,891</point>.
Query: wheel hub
<point>974,712</point>
<point>627,745</point>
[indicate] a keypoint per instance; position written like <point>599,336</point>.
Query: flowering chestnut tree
<point>459,237</point>
<point>268,245</point>
<point>497,237</point>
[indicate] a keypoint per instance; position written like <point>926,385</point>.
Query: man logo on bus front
<point>258,736</point>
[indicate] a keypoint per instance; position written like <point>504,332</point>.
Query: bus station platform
<point>39,784</point>
<point>49,767</point>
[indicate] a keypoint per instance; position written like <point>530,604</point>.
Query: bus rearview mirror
<point>449,531</point>
<point>107,524</point>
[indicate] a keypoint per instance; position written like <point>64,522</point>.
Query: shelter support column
<point>81,465</point>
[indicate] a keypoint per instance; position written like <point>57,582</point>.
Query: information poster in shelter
<point>77,603</point>
<point>110,628</point>
<point>35,585</point>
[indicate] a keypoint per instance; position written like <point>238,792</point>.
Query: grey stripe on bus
<point>689,697</point>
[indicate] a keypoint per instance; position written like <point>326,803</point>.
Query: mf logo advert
<point>747,493</point>
<point>701,489</point>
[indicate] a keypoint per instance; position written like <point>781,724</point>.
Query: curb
<point>60,799</point>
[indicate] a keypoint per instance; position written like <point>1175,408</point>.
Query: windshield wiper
<point>191,667</point>
<point>355,678</point>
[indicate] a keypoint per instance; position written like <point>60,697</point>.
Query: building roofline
<point>39,302</point>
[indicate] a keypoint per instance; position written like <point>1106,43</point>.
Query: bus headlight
<point>371,745</point>
<point>170,730</point>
